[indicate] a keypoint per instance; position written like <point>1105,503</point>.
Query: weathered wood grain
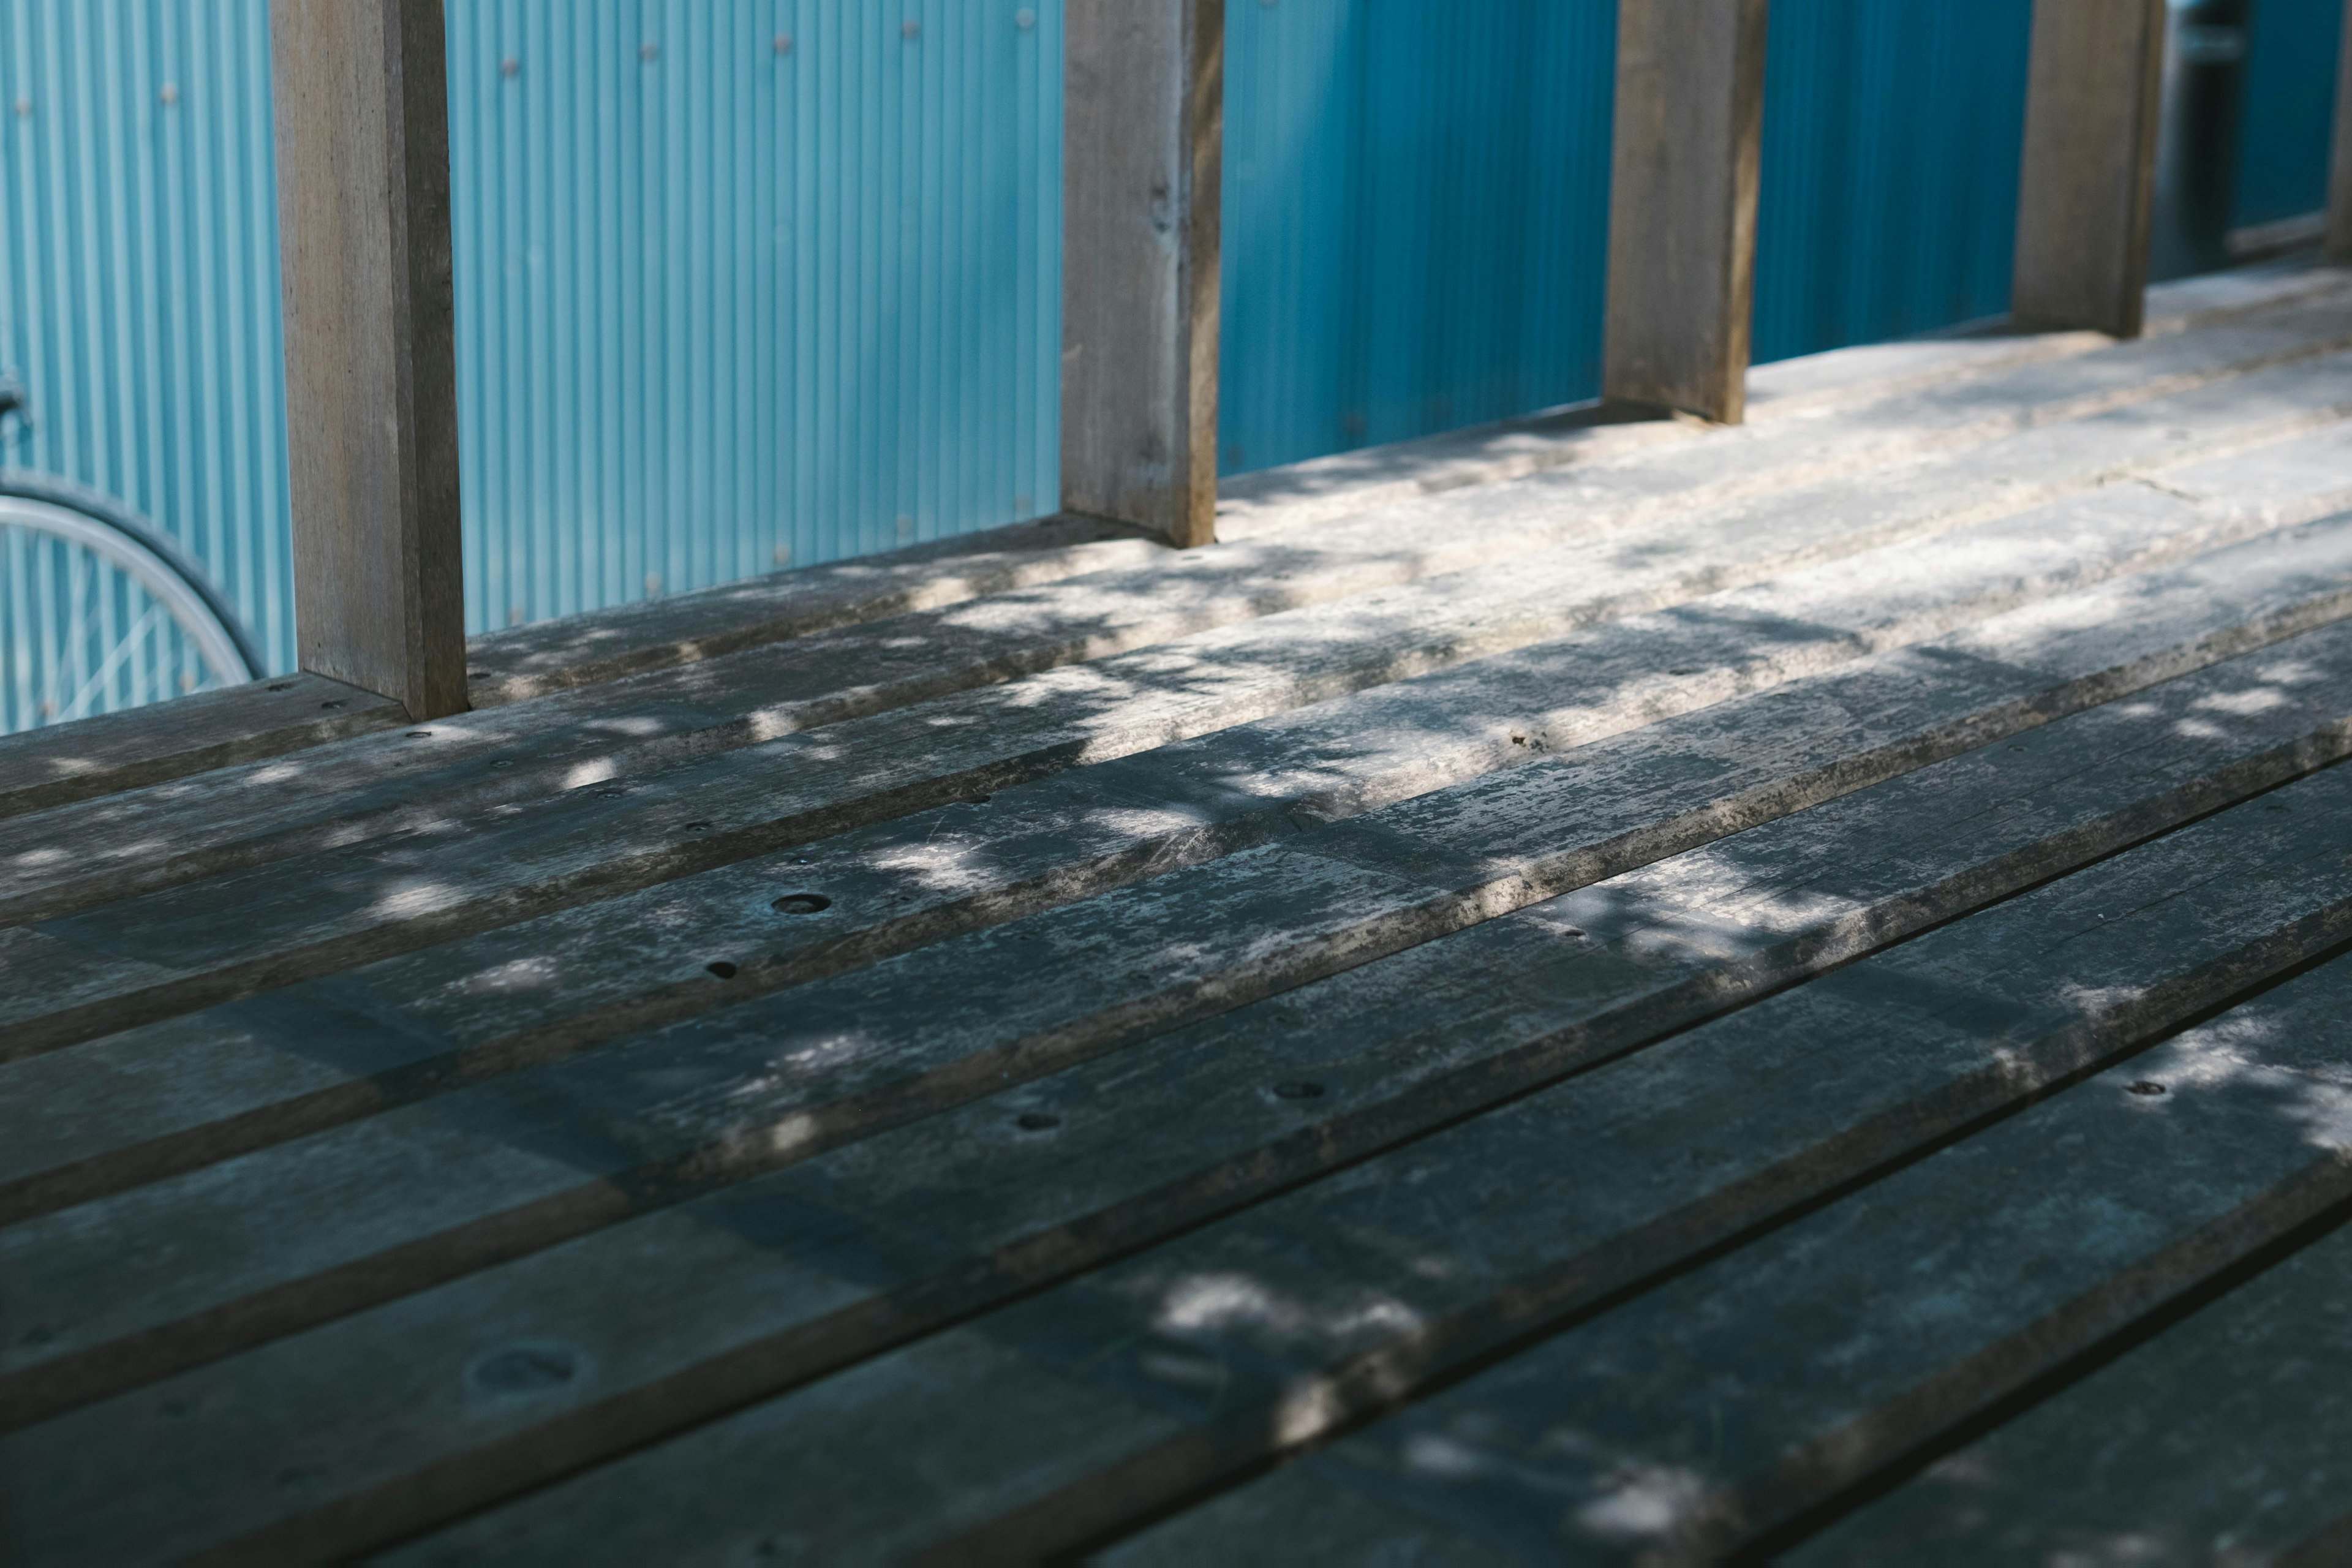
<point>114,751</point>
<point>519,662</point>
<point>363,123</point>
<point>176,1094</point>
<point>2228,1431</point>
<point>560,981</point>
<point>1183,1364</point>
<point>409,782</point>
<point>2086,193</point>
<point>1143,145</point>
<point>348,905</point>
<point>1696,1419</point>
<point>1026,1185</point>
<point>2339,164</point>
<point>530,1160</point>
<point>1684,163</point>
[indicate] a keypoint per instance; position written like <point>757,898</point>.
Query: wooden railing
<point>363,146</point>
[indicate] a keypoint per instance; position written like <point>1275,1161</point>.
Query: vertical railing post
<point>1143,118</point>
<point>2339,164</point>
<point>1682,204</point>
<point>2088,180</point>
<point>371,370</point>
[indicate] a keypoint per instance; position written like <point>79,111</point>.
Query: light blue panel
<point>744,282</point>
<point>739,282</point>
<point>2290,107</point>
<point>1415,217</point>
<point>1893,130</point>
<point>139,277</point>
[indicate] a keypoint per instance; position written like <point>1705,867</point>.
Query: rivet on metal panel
<point>169,93</point>
<point>905,528</point>
<point>510,67</point>
<point>910,29</point>
<point>23,108</point>
<point>783,555</point>
<point>1024,18</point>
<point>784,43</point>
<point>653,582</point>
<point>648,51</point>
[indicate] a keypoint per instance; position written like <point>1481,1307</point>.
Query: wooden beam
<point>2339,179</point>
<point>1682,204</point>
<point>1143,118</point>
<point>2088,180</point>
<point>371,370</point>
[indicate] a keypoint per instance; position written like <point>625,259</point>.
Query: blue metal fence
<point>740,282</point>
<point>749,282</point>
<point>1416,207</point>
<point>1892,135</point>
<point>2290,104</point>
<point>138,275</point>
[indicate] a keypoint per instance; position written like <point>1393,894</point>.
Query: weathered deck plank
<point>1693,1420</point>
<point>1186,1363</point>
<point>210,1083</point>
<point>1816,385</point>
<point>310,1229</point>
<point>2227,1436</point>
<point>1176,1130</point>
<point>2166,405</point>
<point>40,769</point>
<point>116,965</point>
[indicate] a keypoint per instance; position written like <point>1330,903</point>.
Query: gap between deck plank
<point>2228,1431</point>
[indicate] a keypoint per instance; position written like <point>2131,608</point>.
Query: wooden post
<point>1143,133</point>
<point>371,370</point>
<point>2339,176</point>
<point>1682,204</point>
<point>2089,176</point>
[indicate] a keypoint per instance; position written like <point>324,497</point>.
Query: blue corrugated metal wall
<point>739,281</point>
<point>1892,134</point>
<point>2290,104</point>
<point>139,274</point>
<point>748,282</point>
<point>1416,200</point>
<point>1416,212</point>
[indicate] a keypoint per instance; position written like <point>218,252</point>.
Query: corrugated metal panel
<point>1893,130</point>
<point>139,277</point>
<point>739,281</point>
<point>744,282</point>
<point>1416,200</point>
<point>2290,107</point>
<point>1415,217</point>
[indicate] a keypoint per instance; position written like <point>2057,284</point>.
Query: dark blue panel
<point>2290,103</point>
<point>1415,217</point>
<point>1893,130</point>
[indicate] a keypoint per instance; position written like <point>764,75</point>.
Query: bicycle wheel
<point>100,611</point>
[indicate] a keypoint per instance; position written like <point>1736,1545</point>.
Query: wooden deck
<point>1588,990</point>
